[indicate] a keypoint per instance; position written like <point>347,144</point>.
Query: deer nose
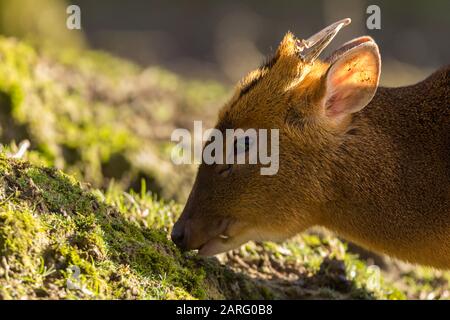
<point>178,235</point>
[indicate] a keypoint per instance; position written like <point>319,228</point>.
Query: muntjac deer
<point>371,164</point>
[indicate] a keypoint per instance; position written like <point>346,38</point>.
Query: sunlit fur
<point>379,177</point>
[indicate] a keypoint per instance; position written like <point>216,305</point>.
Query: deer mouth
<point>218,244</point>
<point>232,236</point>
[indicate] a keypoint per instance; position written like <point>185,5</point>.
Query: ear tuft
<point>352,79</point>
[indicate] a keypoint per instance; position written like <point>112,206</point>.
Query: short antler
<point>310,49</point>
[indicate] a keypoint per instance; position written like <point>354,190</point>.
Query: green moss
<point>57,115</point>
<point>94,115</point>
<point>53,230</point>
<point>18,231</point>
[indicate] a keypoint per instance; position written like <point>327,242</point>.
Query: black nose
<point>178,235</point>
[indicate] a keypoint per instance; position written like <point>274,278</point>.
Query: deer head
<point>311,103</point>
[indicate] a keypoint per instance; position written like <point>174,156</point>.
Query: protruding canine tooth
<point>223,236</point>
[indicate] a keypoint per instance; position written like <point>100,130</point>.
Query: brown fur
<point>379,177</point>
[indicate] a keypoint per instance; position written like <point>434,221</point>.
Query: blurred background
<point>223,40</point>
<point>101,102</point>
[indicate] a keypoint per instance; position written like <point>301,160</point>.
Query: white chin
<point>216,246</point>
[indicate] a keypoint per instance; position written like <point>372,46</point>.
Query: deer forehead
<point>263,96</point>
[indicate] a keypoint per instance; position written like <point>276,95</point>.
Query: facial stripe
<point>262,71</point>
<point>270,62</point>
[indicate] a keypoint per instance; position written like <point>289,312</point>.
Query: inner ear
<point>346,47</point>
<point>352,79</point>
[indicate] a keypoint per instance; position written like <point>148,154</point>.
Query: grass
<point>61,239</point>
<point>117,244</point>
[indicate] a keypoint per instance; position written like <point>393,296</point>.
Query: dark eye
<point>242,145</point>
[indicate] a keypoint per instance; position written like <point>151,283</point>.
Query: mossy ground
<point>106,122</point>
<point>98,117</point>
<point>53,230</point>
<point>60,239</point>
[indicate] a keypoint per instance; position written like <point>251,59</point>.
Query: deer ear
<point>352,79</point>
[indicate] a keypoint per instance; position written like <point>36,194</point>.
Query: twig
<point>23,147</point>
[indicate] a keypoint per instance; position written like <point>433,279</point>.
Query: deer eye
<point>242,144</point>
